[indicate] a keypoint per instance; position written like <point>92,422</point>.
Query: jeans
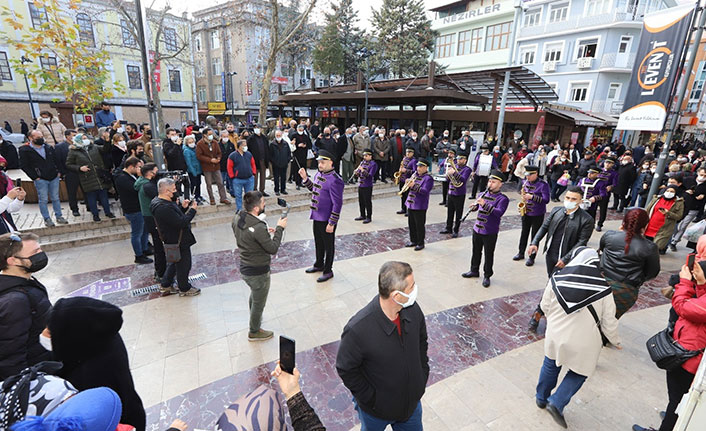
<point>548,377</point>
<point>681,227</point>
<point>93,197</point>
<point>227,182</point>
<point>259,288</point>
<point>138,235</point>
<point>369,422</point>
<point>45,190</point>
<point>241,186</point>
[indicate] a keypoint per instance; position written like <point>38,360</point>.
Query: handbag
<point>666,352</point>
<point>564,180</point>
<point>604,339</point>
<point>172,252</point>
<point>694,231</point>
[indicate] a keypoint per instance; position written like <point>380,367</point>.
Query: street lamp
<point>232,95</point>
<point>366,53</point>
<point>24,60</point>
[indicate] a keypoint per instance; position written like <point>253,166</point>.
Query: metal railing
<point>610,60</point>
<point>623,13</point>
<point>611,107</point>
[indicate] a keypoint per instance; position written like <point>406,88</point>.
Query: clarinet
<point>473,207</point>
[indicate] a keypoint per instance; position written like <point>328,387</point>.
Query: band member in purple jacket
<point>597,191</point>
<point>610,177</point>
<point>490,206</point>
<point>409,166</point>
<point>326,203</point>
<point>365,172</point>
<point>458,180</point>
<point>417,203</point>
<point>535,195</point>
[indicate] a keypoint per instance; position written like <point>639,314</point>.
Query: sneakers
<point>143,260</point>
<point>62,220</point>
<point>191,292</point>
<point>168,290</point>
<point>48,222</point>
<point>260,335</point>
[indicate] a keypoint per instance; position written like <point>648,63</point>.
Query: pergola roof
<point>476,88</point>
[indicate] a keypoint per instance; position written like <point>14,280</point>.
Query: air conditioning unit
<point>549,66</point>
<point>585,62</point>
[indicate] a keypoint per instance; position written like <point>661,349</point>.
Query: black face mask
<point>327,135</point>
<point>3,168</point>
<point>38,142</point>
<point>38,262</point>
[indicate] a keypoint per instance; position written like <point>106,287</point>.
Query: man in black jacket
<point>130,202</point>
<point>566,228</point>
<point>382,358</point>
<point>70,178</point>
<point>174,226</point>
<point>694,199</point>
<point>627,173</point>
<point>38,161</point>
<point>259,148</point>
<point>24,304</point>
<point>280,155</point>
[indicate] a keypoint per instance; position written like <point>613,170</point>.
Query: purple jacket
<point>488,221</point>
<point>598,190</point>
<point>540,197</point>
<point>366,179</point>
<point>327,196</point>
<point>418,198</point>
<point>411,166</point>
<point>610,177</point>
<point>461,175</point>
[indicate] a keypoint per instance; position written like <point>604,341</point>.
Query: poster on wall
<point>655,71</point>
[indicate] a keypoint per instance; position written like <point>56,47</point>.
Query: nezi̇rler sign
<point>473,13</point>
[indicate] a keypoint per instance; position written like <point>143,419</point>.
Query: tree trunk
<point>266,84</point>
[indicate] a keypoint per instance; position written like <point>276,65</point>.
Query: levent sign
<point>467,15</point>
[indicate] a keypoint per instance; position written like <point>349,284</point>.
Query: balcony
<point>612,61</point>
<point>584,63</point>
<point>610,107</point>
<point>549,66</point>
<point>574,23</point>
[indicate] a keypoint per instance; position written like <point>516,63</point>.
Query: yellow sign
<point>216,106</point>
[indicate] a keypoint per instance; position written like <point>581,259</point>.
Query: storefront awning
<point>579,118</point>
<point>237,112</point>
<point>610,121</point>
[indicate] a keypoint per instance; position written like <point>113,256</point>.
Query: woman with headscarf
<point>628,259</point>
<point>664,211</point>
<point>85,159</point>
<point>580,312</point>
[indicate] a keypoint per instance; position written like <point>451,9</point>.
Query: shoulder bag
<point>666,352</point>
<point>604,339</point>
<point>172,252</point>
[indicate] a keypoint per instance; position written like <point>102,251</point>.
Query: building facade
<point>106,29</point>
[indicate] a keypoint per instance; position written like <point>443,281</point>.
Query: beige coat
<point>573,340</point>
<point>57,129</point>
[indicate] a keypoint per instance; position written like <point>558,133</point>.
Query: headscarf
<point>701,248</point>
<point>580,282</point>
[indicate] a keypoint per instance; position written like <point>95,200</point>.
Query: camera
<point>181,179</point>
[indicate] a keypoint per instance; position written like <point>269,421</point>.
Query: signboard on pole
<point>156,71</point>
<point>537,138</point>
<point>658,55</point>
<point>280,80</point>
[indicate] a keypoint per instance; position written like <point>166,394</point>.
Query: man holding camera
<point>256,249</point>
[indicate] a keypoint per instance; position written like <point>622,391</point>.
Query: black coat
<point>85,338</point>
<point>690,201</point>
<point>174,155</point>
<point>639,265</point>
<point>35,166</point>
<point>258,147</point>
<point>9,152</point>
<point>24,311</point>
<point>627,174</point>
<point>171,219</point>
<point>300,152</point>
<point>226,150</point>
<point>578,230</point>
<point>280,154</point>
<point>386,374</point>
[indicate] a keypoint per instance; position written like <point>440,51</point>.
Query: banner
<point>655,71</point>
<point>537,138</point>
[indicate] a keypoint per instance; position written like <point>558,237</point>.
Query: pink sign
<point>574,138</point>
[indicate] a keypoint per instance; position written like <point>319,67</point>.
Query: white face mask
<point>45,342</point>
<point>645,167</point>
<point>668,195</point>
<point>86,142</point>
<point>122,144</point>
<point>225,140</point>
<point>46,120</point>
<point>381,135</point>
<point>569,205</point>
<point>174,138</point>
<point>653,170</point>
<point>402,135</point>
<point>563,159</point>
<point>279,139</point>
<point>120,130</point>
<point>191,145</point>
<point>209,137</point>
<point>411,298</point>
<point>301,132</point>
<point>257,131</point>
<point>701,178</point>
<point>245,148</point>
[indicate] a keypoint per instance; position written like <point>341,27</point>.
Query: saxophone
<point>522,205</point>
<point>398,174</point>
<point>407,184</point>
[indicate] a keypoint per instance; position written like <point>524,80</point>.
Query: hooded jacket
<point>689,301</point>
<point>24,310</point>
<point>52,131</point>
<point>97,177</point>
<point>85,337</point>
<point>255,243</point>
<point>146,191</point>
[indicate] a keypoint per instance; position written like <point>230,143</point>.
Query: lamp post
<point>366,53</point>
<point>232,95</point>
<point>506,82</point>
<point>24,60</point>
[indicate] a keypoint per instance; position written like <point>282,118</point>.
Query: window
<point>200,70</point>
<point>170,39</point>
<point>85,29</point>
<point>533,17</point>
<point>554,86</point>
<point>578,92</point>
<point>38,15</point>
<point>443,45</point>
<point>587,48</point>
<point>216,66</point>
<point>699,80</point>
<point>5,71</point>
<point>201,94</point>
<point>596,7</point>
<point>218,92</point>
<point>197,43</point>
<point>624,45</point>
<point>552,51</point>
<point>614,90</point>
<point>134,80</point>
<point>497,36</point>
<point>49,63</point>
<point>175,81</point>
<point>215,40</point>
<point>527,54</point>
<point>558,12</point>
<point>128,38</point>
<point>469,41</point>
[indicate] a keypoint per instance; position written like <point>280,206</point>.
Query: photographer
<point>174,226</point>
<point>256,248</point>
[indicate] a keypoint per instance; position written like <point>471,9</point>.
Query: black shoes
<point>401,212</point>
<point>111,215</point>
<point>410,244</point>
<point>534,320</point>
<point>637,427</point>
<point>529,261</point>
<point>366,221</point>
<point>518,256</point>
<point>143,260</point>
<point>673,247</point>
<point>442,203</point>
<point>419,247</point>
<point>313,269</point>
<point>558,417</point>
<point>96,218</point>
<point>284,192</point>
<point>486,281</point>
<point>540,404</point>
<point>359,218</point>
<point>599,228</point>
<point>445,231</point>
<point>454,235</point>
<point>76,213</point>
<point>325,277</point>
<point>470,274</point>
<point>265,195</point>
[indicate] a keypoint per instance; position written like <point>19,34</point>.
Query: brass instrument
<point>398,174</point>
<point>360,170</point>
<point>522,204</point>
<point>407,184</point>
<point>452,163</point>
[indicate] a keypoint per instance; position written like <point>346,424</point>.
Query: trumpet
<point>398,174</point>
<point>452,163</point>
<point>522,204</point>
<point>407,184</point>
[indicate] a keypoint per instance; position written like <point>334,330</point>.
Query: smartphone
<point>690,259</point>
<point>123,122</point>
<point>18,182</point>
<point>283,203</point>
<point>286,354</point>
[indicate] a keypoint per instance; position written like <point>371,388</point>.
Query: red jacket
<point>690,330</point>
